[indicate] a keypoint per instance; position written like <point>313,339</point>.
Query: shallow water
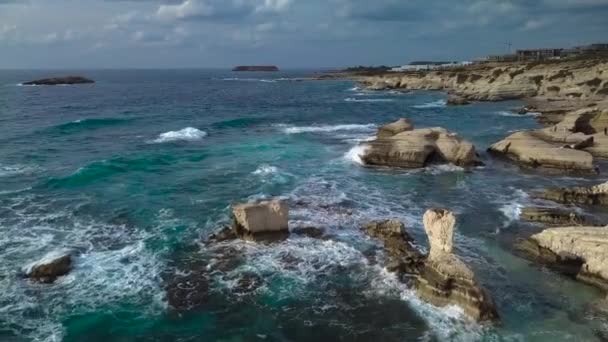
<point>134,171</point>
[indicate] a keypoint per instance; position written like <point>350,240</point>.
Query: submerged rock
<point>581,252</point>
<point>49,268</point>
<point>440,278</point>
<point>416,148</point>
<point>60,81</point>
<point>312,232</point>
<point>556,216</point>
<point>594,195</point>
<point>455,100</point>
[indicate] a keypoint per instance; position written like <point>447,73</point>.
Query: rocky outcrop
<point>574,79</point>
<point>416,148</point>
<point>265,68</point>
<point>261,217</point>
<point>440,277</point>
<point>594,195</point>
<point>49,268</point>
<point>581,252</point>
<point>394,128</point>
<point>455,100</point>
<point>557,216</point>
<point>60,81</point>
<point>531,150</point>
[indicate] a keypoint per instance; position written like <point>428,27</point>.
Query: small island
<point>60,81</point>
<point>266,68</point>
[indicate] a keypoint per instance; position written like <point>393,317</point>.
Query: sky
<point>287,33</point>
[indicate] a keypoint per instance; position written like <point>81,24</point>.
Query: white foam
<point>352,99</point>
<point>13,170</point>
<point>354,154</point>
<point>434,104</point>
<point>327,128</point>
<point>512,206</point>
<point>266,169</point>
<point>443,168</point>
<point>513,114</point>
<point>186,134</point>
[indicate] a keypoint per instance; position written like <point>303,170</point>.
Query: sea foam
<point>186,134</point>
<point>433,104</point>
<point>327,128</point>
<point>354,154</point>
<point>352,99</point>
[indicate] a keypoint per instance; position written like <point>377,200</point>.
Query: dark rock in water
<point>49,268</point>
<point>60,81</point>
<point>188,292</point>
<point>455,100</point>
<point>225,233</point>
<point>255,68</point>
<point>556,216</point>
<point>312,232</point>
<point>248,283</point>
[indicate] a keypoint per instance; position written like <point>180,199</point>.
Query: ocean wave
<point>433,104</point>
<point>15,170</point>
<point>512,206</point>
<point>112,268</point>
<point>266,169</point>
<point>92,123</point>
<point>352,99</point>
<point>186,134</point>
<point>513,114</point>
<point>327,128</point>
<point>238,79</point>
<point>238,123</point>
<point>354,154</point>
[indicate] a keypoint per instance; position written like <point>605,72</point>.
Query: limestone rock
<point>416,148</point>
<point>555,216</point>
<point>530,150</point>
<point>579,251</point>
<point>262,217</point>
<point>389,130</point>
<point>439,226</point>
<point>49,268</point>
<point>455,100</point>
<point>594,195</point>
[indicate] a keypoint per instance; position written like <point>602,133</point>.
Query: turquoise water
<point>133,172</point>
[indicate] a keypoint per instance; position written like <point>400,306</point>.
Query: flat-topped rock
<point>50,267</point>
<point>389,130</point>
<point>556,216</point>
<point>593,195</point>
<point>416,148</point>
<point>528,149</point>
<point>265,68</point>
<point>60,81</point>
<point>262,217</point>
<point>578,251</point>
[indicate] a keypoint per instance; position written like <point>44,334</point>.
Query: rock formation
<point>49,268</point>
<point>261,217</point>
<point>440,278</point>
<point>400,145</point>
<point>581,252</point>
<point>265,68</point>
<point>594,195</point>
<point>455,100</point>
<point>60,81</point>
<point>556,216</point>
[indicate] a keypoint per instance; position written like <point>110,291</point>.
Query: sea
<point>133,173</point>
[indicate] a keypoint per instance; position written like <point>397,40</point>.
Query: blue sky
<point>288,33</point>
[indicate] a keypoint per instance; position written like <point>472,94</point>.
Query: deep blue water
<point>135,171</point>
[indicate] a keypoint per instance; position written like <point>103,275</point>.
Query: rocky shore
<point>68,80</point>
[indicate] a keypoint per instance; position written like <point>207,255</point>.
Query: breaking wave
<point>327,128</point>
<point>352,99</point>
<point>186,134</point>
<point>434,104</point>
<point>513,114</point>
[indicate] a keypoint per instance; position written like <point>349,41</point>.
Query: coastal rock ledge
<point>594,195</point>
<point>581,252</point>
<point>440,278</point>
<point>398,144</point>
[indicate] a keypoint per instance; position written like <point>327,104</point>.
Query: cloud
<point>219,9</point>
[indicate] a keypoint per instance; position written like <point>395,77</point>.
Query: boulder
<point>439,227</point>
<point>581,252</point>
<point>60,81</point>
<point>262,217</point>
<point>556,216</point>
<point>416,148</point>
<point>389,130</point>
<point>50,267</point>
<point>594,195</point>
<point>455,100</point>
<point>528,149</point>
